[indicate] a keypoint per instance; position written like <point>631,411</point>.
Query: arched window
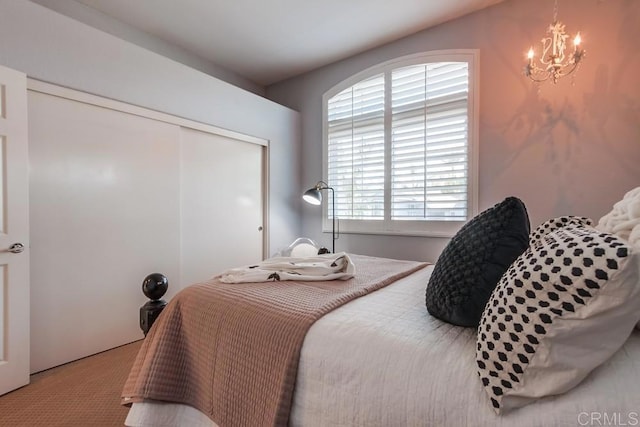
<point>400,145</point>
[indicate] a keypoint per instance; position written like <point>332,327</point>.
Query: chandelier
<point>555,61</point>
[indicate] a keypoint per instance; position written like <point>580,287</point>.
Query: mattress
<point>382,360</point>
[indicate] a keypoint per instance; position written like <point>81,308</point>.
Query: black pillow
<point>475,259</point>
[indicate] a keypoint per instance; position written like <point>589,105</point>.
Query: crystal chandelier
<point>554,62</point>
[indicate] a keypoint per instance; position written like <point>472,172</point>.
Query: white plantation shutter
<point>399,147</point>
<point>356,149</point>
<point>429,142</point>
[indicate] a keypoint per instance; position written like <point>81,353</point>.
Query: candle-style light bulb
<point>577,40</point>
<point>530,53</point>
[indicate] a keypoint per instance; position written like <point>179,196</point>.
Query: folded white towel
<point>624,219</point>
<point>314,268</point>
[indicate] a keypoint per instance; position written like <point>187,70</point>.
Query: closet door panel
<point>221,202</point>
<point>104,213</point>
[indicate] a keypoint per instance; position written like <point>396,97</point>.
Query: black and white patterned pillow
<point>554,223</point>
<point>563,308</point>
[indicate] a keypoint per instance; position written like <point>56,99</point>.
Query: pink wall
<point>570,148</point>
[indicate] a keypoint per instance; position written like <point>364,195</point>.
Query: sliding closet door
<point>104,194</point>
<point>221,204</point>
<point>118,192</point>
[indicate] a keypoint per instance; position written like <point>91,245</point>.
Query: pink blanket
<point>232,350</point>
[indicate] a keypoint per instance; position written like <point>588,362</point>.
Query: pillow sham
<point>564,307</point>
<point>554,223</point>
<point>471,265</point>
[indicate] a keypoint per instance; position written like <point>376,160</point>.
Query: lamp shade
<point>313,196</point>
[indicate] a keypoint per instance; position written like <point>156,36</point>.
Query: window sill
<point>426,233</point>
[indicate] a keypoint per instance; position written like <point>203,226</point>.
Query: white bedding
<point>382,360</point>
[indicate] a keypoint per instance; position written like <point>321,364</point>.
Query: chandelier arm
<point>546,45</point>
<point>535,78</point>
<point>563,72</point>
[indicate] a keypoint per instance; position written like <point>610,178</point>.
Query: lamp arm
<point>333,218</point>
<point>321,185</point>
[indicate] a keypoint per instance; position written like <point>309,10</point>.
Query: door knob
<point>16,248</point>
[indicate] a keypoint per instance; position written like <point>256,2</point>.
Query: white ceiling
<point>267,41</point>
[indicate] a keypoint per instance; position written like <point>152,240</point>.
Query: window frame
<point>387,226</point>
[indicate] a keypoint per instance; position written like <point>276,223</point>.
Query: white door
<point>14,232</point>
<point>221,204</point>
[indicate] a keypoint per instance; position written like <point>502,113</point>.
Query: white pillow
<point>624,220</point>
<point>566,305</point>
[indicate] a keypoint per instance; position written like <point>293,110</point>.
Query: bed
<point>520,328</point>
<point>383,360</point>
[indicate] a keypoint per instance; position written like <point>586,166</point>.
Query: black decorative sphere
<point>155,285</point>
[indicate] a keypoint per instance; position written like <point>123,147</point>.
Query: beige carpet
<point>81,393</point>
